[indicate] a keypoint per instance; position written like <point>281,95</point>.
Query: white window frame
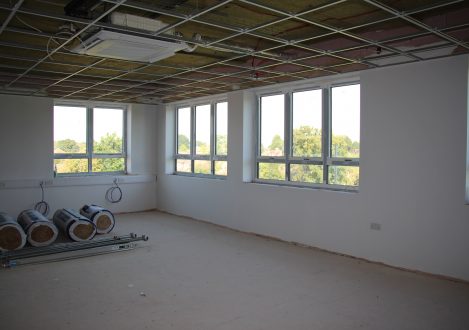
<point>326,160</point>
<point>90,155</point>
<point>192,156</point>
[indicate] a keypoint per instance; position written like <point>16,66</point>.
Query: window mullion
<point>89,137</point>
<point>193,137</point>
<point>124,141</point>
<point>213,126</point>
<point>257,148</point>
<point>287,133</point>
<point>326,130</point>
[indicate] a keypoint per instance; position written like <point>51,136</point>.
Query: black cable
<point>42,206</point>
<point>110,193</point>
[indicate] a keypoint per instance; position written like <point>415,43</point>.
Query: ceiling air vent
<point>128,47</point>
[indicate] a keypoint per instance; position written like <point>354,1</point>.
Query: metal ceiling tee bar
<point>70,76</point>
<point>101,67</point>
<point>339,31</point>
<point>258,54</point>
<point>417,23</point>
<point>393,17</point>
<point>7,44</point>
<point>153,34</point>
<point>248,31</point>
<point>191,17</point>
<point>296,43</point>
<point>284,42</point>
<point>10,16</point>
<point>240,31</point>
<point>66,42</point>
<point>107,80</point>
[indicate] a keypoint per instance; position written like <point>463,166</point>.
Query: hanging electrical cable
<point>42,206</point>
<point>114,194</point>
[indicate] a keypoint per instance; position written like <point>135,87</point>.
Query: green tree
<point>307,142</point>
<point>71,165</point>
<point>222,145</point>
<point>272,171</point>
<point>276,146</point>
<point>183,144</point>
<point>66,146</point>
<point>202,148</point>
<point>108,144</point>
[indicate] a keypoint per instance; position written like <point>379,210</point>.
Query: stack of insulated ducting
<point>12,236</point>
<point>101,217</point>
<point>74,225</point>
<point>39,230</point>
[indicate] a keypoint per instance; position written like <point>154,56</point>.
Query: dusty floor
<point>192,275</point>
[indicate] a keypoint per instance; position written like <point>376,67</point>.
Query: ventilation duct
<point>128,47</point>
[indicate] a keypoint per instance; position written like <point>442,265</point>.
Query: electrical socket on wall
<point>375,226</point>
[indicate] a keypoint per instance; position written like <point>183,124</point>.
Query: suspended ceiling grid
<point>236,44</point>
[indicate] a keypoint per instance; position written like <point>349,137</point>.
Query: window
<point>310,137</point>
<point>202,139</point>
<point>89,140</point>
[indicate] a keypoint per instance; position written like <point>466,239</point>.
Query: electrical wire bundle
<point>42,206</point>
<point>114,194</point>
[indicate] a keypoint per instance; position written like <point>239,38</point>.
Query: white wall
<point>26,149</point>
<point>412,180</point>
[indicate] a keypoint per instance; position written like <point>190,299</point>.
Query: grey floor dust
<point>192,275</point>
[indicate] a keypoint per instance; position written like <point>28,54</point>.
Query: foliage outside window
<point>202,139</point>
<point>310,137</point>
<point>89,140</point>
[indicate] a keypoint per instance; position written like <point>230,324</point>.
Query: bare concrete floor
<point>192,275</point>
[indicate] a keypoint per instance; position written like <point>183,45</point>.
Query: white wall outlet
<point>375,226</point>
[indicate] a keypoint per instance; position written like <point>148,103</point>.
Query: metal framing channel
<point>61,251</point>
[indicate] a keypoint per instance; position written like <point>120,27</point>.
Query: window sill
<point>322,187</point>
<point>200,176</point>
<point>81,180</point>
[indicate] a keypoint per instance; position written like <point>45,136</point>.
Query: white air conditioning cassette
<point>128,47</point>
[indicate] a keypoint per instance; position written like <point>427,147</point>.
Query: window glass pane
<point>108,131</point>
<point>203,167</point>
<point>184,131</point>
<point>307,123</point>
<point>69,130</point>
<point>271,171</point>
<point>346,121</point>
<point>344,175</point>
<point>272,125</point>
<point>69,166</point>
<point>221,168</point>
<point>108,165</point>
<point>202,129</point>
<point>183,165</point>
<point>306,173</point>
<point>222,128</point>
